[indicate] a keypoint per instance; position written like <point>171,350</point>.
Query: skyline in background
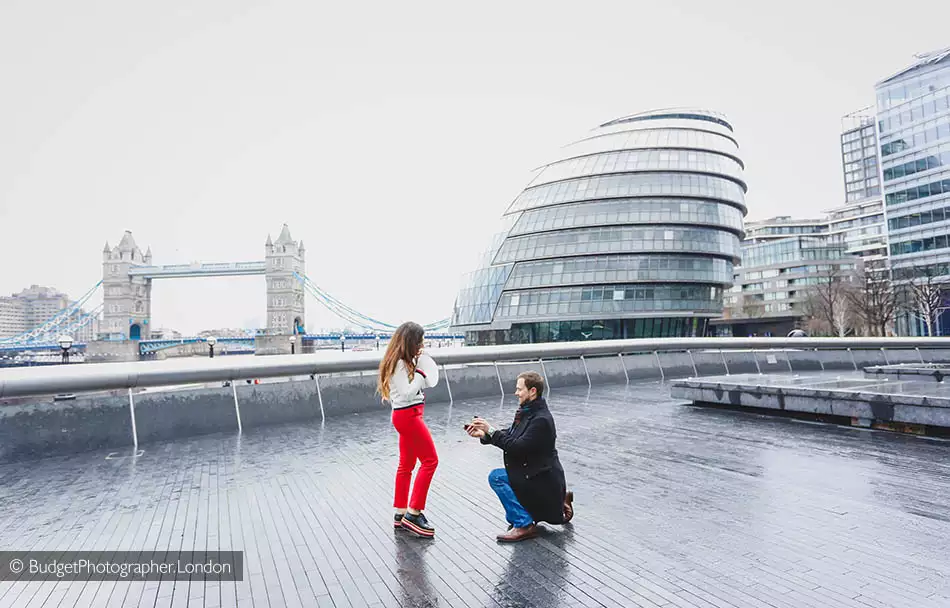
<point>389,140</point>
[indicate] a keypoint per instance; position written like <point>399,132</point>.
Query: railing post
<point>919,354</point>
<point>820,362</point>
<point>135,433</point>
<point>723,357</point>
<point>884,352</point>
<point>853,362</point>
<point>756,359</point>
<point>623,366</point>
<point>237,409</point>
<point>586,373</point>
<point>498,375</point>
<point>448,385</point>
<point>545,372</point>
<point>316,379</point>
<point>788,359</point>
<point>693,361</point>
<point>660,365</point>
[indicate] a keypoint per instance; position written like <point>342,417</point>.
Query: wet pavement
<point>675,506</point>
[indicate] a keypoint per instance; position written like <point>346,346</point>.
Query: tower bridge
<point>125,315</point>
<point>127,276</point>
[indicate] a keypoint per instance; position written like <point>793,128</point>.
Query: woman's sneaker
<point>418,525</point>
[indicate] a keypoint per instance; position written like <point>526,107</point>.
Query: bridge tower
<point>285,294</point>
<point>127,299</point>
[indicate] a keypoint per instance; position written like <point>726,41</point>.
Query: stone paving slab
<point>677,506</point>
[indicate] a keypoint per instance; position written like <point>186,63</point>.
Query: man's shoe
<point>568,506</point>
<point>518,534</point>
<point>418,525</point>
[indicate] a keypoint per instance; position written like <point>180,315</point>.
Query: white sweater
<point>402,392</point>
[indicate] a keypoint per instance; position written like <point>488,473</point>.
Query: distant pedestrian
<point>403,372</point>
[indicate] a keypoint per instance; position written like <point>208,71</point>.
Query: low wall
<point>911,412</point>
<point>110,351</point>
<point>39,427</point>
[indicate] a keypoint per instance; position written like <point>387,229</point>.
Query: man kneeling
<point>531,487</point>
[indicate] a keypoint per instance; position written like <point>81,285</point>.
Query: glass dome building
<point>631,233</point>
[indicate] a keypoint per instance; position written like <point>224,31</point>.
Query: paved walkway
<point>676,506</point>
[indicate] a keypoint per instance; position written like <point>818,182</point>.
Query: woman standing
<point>403,372</point>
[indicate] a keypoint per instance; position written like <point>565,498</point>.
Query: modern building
<point>913,119</point>
<point>782,227</point>
<point>772,287</point>
<point>859,223</point>
<point>782,257</point>
<point>859,156</point>
<point>32,307</point>
<point>632,232</point>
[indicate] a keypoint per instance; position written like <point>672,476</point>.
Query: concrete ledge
<point>934,372</point>
<point>865,402</point>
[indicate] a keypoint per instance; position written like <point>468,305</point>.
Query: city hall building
<point>633,232</point>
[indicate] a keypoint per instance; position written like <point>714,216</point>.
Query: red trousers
<point>415,443</point>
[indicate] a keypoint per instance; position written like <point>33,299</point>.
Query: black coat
<point>531,461</point>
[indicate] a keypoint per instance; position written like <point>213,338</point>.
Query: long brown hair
<point>405,343</point>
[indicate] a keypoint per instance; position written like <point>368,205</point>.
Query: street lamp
<point>293,344</point>
<point>65,343</point>
<point>342,342</point>
<point>377,342</point>
<point>211,342</point>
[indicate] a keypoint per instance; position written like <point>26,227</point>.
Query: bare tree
<point>873,299</point>
<point>924,297</point>
<point>829,301</point>
<point>751,307</point>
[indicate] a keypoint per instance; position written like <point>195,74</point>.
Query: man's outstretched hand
<point>477,433</point>
<point>478,428</point>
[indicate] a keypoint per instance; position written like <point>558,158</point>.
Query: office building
<point>772,287</point>
<point>913,118</point>
<point>32,307</point>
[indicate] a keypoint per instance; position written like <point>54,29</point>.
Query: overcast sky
<point>389,137</point>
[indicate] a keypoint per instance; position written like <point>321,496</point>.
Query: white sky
<point>389,137</point>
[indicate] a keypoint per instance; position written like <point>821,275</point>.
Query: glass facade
<point>632,232</point>
<point>913,119</point>
<point>594,329</point>
<point>599,269</point>
<point>654,139</point>
<point>629,211</point>
<point>771,287</point>
<point>704,187</point>
<point>620,240</point>
<point>860,160</point>
<point>641,160</point>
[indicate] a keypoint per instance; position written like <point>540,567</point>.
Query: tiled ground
<point>676,506</point>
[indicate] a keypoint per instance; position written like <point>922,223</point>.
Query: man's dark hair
<point>533,380</point>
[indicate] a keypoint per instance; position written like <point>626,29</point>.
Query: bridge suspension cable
<point>54,324</point>
<point>351,315</point>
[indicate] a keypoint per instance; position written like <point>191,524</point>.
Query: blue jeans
<point>514,512</point>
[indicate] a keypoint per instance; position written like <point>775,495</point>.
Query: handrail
<point>78,378</point>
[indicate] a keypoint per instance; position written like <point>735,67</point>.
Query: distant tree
<point>924,298</point>
<point>829,301</point>
<point>874,299</point>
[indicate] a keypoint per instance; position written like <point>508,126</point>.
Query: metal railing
<point>80,378</point>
